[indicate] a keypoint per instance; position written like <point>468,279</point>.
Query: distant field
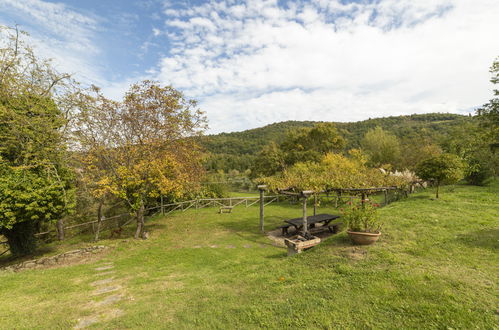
<point>435,267</point>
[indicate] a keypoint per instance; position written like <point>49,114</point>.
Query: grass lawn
<point>244,194</point>
<point>435,266</point>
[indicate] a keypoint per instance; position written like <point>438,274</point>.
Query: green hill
<point>237,150</point>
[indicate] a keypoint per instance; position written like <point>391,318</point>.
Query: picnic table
<point>325,219</point>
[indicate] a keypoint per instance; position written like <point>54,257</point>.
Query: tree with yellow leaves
<point>141,147</point>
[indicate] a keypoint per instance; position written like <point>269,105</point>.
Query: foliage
<point>381,147</point>
<point>333,171</point>
<point>300,145</point>
<point>311,144</point>
<point>479,145</point>
<point>35,181</point>
<point>415,149</point>
<point>361,217</point>
<point>226,162</point>
<point>443,169</point>
<point>472,144</point>
<point>140,148</point>
<point>489,113</point>
<point>419,137</point>
<point>269,161</point>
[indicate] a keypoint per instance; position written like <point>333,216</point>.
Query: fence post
<point>162,206</point>
<point>262,190</point>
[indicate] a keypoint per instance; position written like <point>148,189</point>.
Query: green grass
<point>244,194</point>
<point>435,267</point>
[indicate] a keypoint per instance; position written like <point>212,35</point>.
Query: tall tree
<point>141,147</point>
<point>489,113</point>
<point>269,160</point>
<point>381,147</point>
<point>35,181</point>
<point>307,144</point>
<point>311,144</point>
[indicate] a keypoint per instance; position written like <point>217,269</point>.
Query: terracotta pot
<point>363,238</point>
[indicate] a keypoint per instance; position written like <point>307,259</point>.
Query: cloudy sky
<point>255,62</point>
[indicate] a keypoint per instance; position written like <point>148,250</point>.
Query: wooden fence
<point>124,219</point>
<point>121,220</point>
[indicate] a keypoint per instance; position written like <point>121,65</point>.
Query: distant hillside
<point>237,150</point>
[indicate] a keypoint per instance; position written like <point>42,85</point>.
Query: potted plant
<point>363,223</point>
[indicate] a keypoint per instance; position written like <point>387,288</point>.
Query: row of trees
<point>61,144</point>
<point>314,159</point>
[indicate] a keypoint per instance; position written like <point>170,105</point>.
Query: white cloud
<point>254,63</point>
<point>59,33</point>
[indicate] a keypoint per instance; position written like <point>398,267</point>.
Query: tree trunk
<point>60,229</point>
<point>140,222</point>
<point>438,185</point>
<point>21,238</point>
<point>99,221</point>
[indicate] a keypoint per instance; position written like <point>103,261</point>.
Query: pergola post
<point>305,195</point>
<point>305,221</point>
<point>262,188</point>
<point>315,204</point>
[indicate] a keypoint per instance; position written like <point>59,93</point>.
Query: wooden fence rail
<point>166,209</point>
<point>183,206</point>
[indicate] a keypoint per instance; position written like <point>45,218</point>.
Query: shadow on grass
<point>484,238</point>
<point>9,259</point>
<point>242,231</point>
<point>280,255</point>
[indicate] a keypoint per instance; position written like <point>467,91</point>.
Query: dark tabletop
<point>313,219</point>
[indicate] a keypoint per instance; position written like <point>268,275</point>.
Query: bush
<point>442,169</point>
<point>362,217</point>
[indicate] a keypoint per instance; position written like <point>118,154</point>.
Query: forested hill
<point>236,150</point>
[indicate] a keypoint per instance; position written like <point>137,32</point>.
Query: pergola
<point>305,194</point>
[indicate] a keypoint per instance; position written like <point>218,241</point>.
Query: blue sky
<point>251,63</point>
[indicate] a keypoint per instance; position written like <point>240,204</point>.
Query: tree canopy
<point>300,145</point>
<point>442,169</point>
<point>35,180</point>
<point>382,148</point>
<point>333,171</point>
<point>142,147</point>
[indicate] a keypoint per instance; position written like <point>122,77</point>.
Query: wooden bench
<point>325,219</point>
<point>285,228</point>
<point>333,228</point>
<point>225,209</point>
